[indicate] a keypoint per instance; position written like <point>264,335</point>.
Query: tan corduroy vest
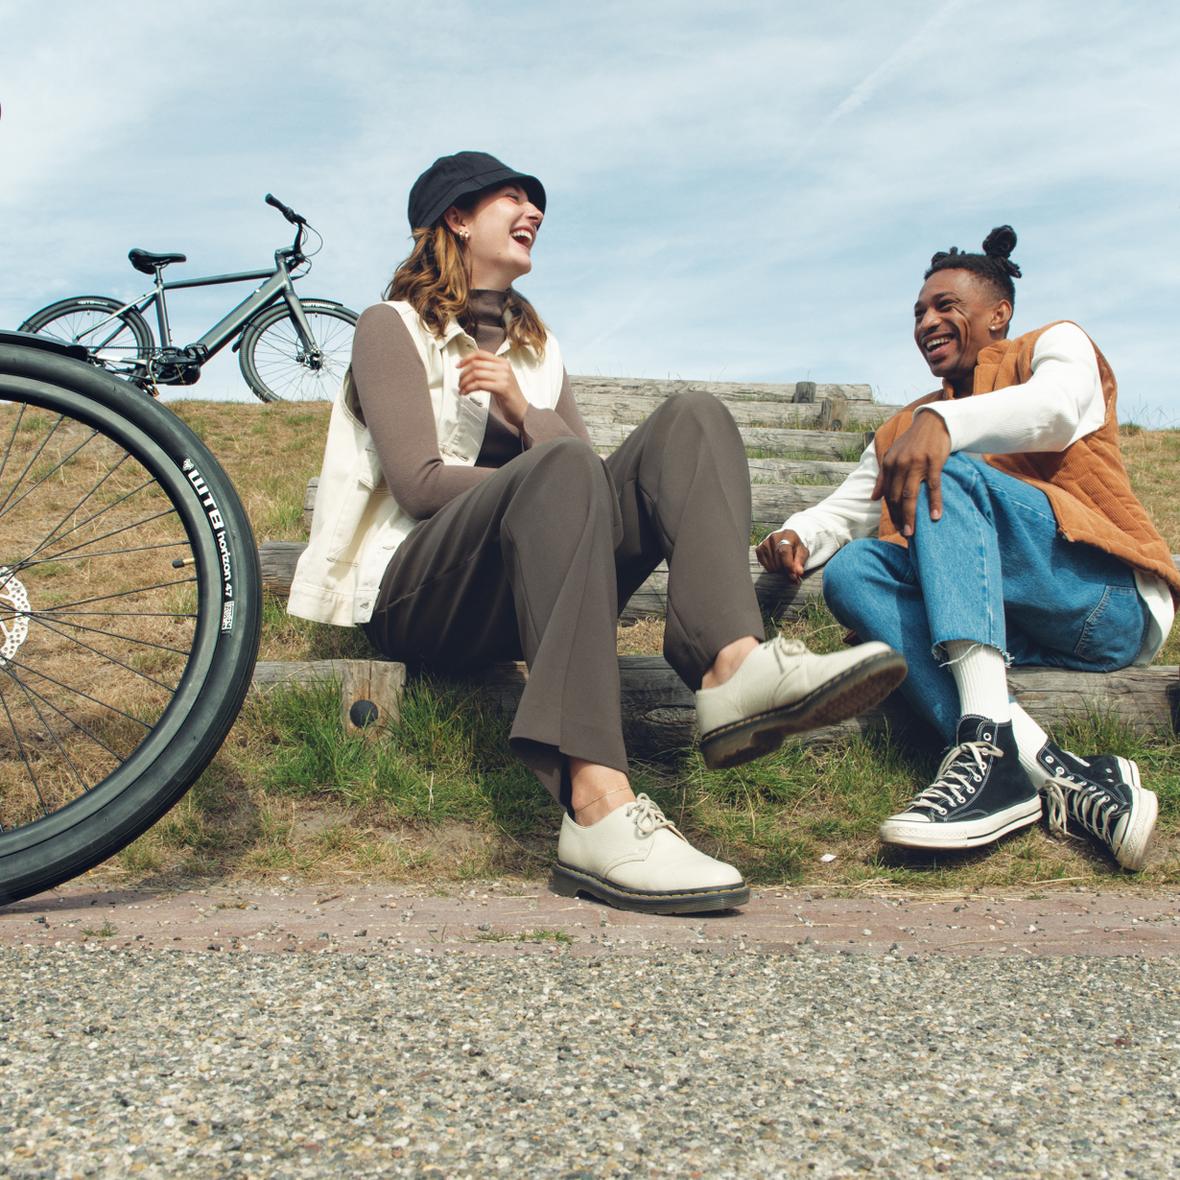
<point>1086,484</point>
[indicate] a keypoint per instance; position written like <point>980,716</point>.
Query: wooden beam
<point>370,690</point>
<point>776,595</point>
<point>659,716</point>
<point>825,444</point>
<point>772,503</point>
<point>829,414</point>
<point>729,392</point>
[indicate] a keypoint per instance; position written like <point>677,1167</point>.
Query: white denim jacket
<point>357,524</point>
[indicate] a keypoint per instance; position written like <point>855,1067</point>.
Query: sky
<point>738,191</point>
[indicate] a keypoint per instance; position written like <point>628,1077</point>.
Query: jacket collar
<point>454,329</point>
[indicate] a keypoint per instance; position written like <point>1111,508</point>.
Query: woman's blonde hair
<point>433,281</point>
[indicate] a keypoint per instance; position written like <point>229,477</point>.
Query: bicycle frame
<point>277,282</point>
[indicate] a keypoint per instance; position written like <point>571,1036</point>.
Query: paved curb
<point>497,919</point>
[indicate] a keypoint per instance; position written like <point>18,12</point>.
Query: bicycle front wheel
<point>117,338</point>
<point>129,614</point>
<point>279,365</point>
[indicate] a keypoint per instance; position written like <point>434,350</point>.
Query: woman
<point>463,517</point>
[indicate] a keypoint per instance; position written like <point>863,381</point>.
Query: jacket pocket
<point>343,531</point>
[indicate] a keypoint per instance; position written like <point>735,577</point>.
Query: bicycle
<point>289,349</point>
<point>130,609</point>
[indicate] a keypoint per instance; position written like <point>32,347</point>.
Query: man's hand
<point>486,371</point>
<point>916,457</point>
<point>783,552</point>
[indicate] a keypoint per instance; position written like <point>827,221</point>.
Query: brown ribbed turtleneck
<point>395,400</point>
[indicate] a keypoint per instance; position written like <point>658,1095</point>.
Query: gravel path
<point>538,1058</point>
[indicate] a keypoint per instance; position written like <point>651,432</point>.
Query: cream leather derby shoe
<point>635,859</point>
<point>783,688</point>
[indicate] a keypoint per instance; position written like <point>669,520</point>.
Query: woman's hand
<point>494,375</point>
<point>916,458</point>
<point>783,552</point>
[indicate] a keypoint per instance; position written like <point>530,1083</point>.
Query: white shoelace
<point>647,816</point>
<point>1092,807</point>
<point>784,649</point>
<point>953,783</point>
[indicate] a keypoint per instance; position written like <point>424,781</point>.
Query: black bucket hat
<point>451,177</point>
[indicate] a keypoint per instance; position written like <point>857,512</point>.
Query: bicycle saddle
<point>147,262</point>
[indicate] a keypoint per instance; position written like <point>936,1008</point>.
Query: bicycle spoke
<point>135,524</point>
<point>75,691</point>
<point>56,610</point>
<point>33,459</point>
<point>71,555</point>
<point>73,510</point>
<point>20,745</point>
<point>32,702</point>
<point>109,634</point>
<point>16,425</point>
<point>171,688</point>
<point>82,729</point>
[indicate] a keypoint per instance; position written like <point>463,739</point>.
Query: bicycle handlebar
<point>286,210</point>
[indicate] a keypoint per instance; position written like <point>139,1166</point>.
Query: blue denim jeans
<point>994,570</point>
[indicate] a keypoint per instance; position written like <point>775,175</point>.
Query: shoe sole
<point>569,882</point>
<point>1132,850</point>
<point>968,834</point>
<point>859,688</point>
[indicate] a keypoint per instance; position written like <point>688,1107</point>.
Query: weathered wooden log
<point>659,716</point>
<point>799,471</point>
<point>727,391</point>
<point>823,444</point>
<point>829,414</point>
<point>772,502</point>
<point>277,561</point>
<point>776,595</point>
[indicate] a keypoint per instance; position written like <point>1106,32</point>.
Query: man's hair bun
<point>1000,242</point>
<point>999,245</point>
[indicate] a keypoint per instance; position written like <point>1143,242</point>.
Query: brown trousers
<point>537,559</point>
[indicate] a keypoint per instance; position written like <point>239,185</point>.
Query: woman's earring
<point>464,233</point>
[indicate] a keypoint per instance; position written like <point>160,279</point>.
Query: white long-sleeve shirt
<point>1061,402</point>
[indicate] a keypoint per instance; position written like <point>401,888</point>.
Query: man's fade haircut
<point>994,265</point>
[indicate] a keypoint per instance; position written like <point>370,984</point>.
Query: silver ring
<point>781,544</point>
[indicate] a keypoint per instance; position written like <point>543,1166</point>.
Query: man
<point>1007,534</point>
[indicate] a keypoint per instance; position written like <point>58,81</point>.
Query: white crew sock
<point>981,678</point>
<point>1030,739</point>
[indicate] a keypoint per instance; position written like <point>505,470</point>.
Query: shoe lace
<point>787,649</point>
<point>647,816</point>
<point>1089,803</point>
<point>959,775</point>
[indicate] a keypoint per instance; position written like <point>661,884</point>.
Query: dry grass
<point>270,452</point>
<point>1153,463</point>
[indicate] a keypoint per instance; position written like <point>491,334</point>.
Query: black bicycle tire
<point>218,669</point>
<point>144,342</point>
<point>253,334</point>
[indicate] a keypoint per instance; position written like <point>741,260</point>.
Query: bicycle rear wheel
<point>117,338</point>
<point>129,615</point>
<point>279,366</point>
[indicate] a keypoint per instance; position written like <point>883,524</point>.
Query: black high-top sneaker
<point>1103,797</point>
<point>980,793</point>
